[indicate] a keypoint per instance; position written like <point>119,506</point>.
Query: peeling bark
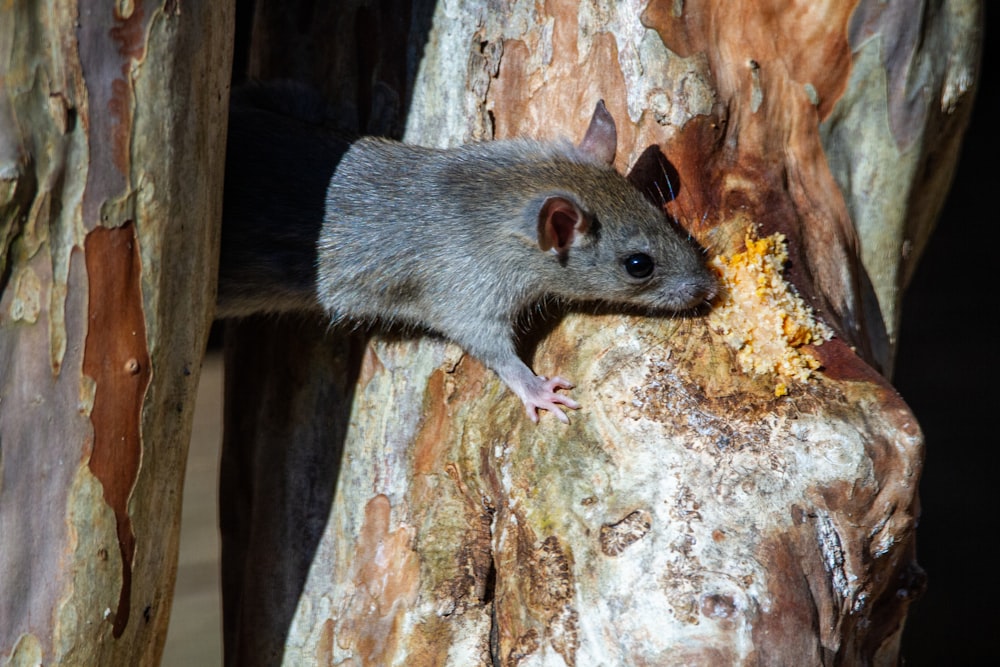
<point>688,514</point>
<point>117,361</point>
<point>112,126</point>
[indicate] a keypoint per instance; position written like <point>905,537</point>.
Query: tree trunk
<point>386,502</point>
<point>112,130</point>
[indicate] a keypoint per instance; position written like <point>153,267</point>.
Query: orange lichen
<point>762,317</point>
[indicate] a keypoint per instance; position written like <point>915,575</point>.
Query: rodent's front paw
<point>541,395</point>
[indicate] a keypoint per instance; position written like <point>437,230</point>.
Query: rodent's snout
<point>709,286</point>
<point>696,289</point>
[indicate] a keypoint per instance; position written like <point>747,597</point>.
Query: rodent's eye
<point>639,265</point>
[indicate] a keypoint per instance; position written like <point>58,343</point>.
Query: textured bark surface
<point>112,129</point>
<point>688,515</point>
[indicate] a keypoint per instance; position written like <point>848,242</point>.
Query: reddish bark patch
<point>560,103</point>
<point>386,577</point>
<point>324,647</point>
<point>430,443</point>
<point>805,39</point>
<point>841,363</point>
<point>116,357</point>
<point>129,34</point>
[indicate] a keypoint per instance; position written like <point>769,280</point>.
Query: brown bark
<point>688,514</point>
<point>112,127</point>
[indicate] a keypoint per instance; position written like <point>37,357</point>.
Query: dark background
<point>948,370</point>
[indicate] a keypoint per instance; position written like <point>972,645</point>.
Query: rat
<point>462,242</point>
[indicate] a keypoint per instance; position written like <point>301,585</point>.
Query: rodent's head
<point>612,244</point>
<point>617,247</point>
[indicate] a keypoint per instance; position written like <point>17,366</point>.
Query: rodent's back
<point>398,243</point>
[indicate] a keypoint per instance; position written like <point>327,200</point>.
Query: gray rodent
<point>461,241</point>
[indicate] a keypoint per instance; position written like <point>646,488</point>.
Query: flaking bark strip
<point>117,359</point>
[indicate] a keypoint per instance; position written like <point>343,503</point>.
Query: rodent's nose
<point>710,287</point>
<point>698,289</point>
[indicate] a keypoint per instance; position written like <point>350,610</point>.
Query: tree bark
<point>388,503</point>
<point>112,130</point>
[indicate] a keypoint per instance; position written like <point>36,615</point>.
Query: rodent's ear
<point>559,222</point>
<point>601,140</point>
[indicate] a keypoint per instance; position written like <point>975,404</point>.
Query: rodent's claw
<point>544,397</point>
<point>557,383</point>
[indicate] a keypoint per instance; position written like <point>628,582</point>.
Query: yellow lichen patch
<point>761,316</point>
